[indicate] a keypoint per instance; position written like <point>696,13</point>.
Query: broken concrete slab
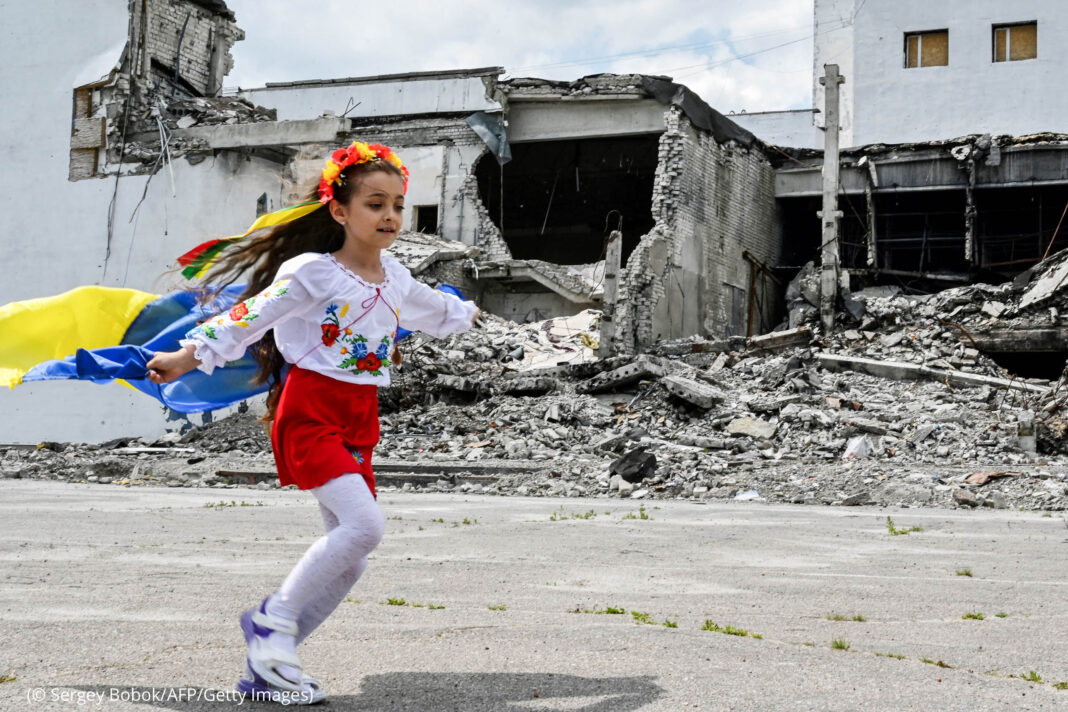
<point>642,367</point>
<point>778,340</point>
<point>700,394</point>
<point>901,371</point>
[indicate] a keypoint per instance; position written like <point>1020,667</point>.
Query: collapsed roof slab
<point>261,134</point>
<point>928,168</point>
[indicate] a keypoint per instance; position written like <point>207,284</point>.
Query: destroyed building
<point>535,174</point>
<point>518,184</point>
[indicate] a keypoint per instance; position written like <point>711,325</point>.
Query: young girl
<point>334,302</point>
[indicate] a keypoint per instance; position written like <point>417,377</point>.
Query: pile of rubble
<point>896,408</point>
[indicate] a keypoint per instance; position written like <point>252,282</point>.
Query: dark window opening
<point>1015,226</point>
<point>557,196</point>
<point>1031,364</point>
<point>262,205</point>
<point>921,232</point>
<point>425,219</point>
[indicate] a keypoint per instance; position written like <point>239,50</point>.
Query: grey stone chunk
<point>700,394</point>
<point>752,427</point>
<point>964,498</point>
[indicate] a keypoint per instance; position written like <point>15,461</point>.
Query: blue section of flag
<point>159,327</point>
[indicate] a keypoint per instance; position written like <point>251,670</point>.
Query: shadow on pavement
<point>422,692</point>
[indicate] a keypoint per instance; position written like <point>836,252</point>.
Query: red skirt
<point>324,428</point>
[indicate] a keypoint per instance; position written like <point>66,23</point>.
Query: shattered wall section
<point>487,236</point>
<point>189,44</point>
<point>713,205</point>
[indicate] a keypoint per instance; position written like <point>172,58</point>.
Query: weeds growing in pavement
<point>894,531</point>
<point>973,617</point>
<point>839,644</point>
<point>640,617</point>
<point>895,656</point>
<point>1001,615</point>
<point>964,572</point>
<point>642,514</point>
<point>395,602</point>
<point>711,625</point>
<point>936,663</point>
<point>498,607</point>
<point>1033,676</point>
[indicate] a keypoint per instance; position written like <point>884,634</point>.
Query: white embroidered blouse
<point>327,319</point>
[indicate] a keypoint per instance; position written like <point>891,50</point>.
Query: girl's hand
<point>478,313</point>
<point>167,366</point>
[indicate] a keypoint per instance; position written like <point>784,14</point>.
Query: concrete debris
<point>695,418</point>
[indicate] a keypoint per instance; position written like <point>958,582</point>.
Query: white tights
<point>332,564</point>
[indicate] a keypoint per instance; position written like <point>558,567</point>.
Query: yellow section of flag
<point>39,330</point>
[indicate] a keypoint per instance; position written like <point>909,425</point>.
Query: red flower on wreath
<point>330,334</point>
<point>238,312</point>
<point>370,362</point>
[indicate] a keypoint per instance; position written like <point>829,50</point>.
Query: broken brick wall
<point>712,204</point>
<point>195,36</point>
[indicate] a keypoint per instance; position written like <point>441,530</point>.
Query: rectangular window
<point>426,219</point>
<point>927,49</point>
<point>1015,42</point>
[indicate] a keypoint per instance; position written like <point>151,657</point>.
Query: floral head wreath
<point>355,154</point>
<point>200,259</point>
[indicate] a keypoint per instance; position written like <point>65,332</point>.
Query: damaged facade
<point>522,189</point>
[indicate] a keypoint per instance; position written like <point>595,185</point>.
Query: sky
<point>751,55</point>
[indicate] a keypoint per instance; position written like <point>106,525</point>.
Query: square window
<point>425,218</point>
<point>927,49</point>
<point>1015,42</point>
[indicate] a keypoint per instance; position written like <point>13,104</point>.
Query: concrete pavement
<point>127,598</point>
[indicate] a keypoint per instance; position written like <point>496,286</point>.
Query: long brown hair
<point>261,256</point>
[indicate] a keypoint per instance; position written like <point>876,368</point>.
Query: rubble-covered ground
<point>510,409</point>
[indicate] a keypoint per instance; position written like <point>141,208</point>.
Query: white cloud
<point>724,50</point>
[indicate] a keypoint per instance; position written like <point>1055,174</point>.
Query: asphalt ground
<point>121,598</point>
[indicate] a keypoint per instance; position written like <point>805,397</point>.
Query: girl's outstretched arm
<point>225,336</point>
<point>436,313</point>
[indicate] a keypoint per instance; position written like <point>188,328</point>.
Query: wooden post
<point>613,257</point>
<point>830,213</point>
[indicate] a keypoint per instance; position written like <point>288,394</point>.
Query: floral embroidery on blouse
<point>357,355</point>
<point>243,312</point>
<point>357,456</point>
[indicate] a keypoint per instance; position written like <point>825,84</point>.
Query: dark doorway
<point>557,196</point>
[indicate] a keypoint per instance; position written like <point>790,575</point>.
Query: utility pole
<point>830,213</point>
<point>613,258</point>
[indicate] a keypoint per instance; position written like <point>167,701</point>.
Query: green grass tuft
<point>936,663</point>
<point>1060,685</point>
<point>895,656</point>
<point>840,644</point>
<point>671,624</point>
<point>498,607</point>
<point>1033,676</point>
<point>7,678</point>
<point>964,572</point>
<point>973,617</point>
<point>894,531</point>
<point>1001,615</point>
<point>395,602</point>
<point>640,617</point>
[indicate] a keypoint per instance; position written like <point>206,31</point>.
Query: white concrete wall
<point>55,231</point>
<point>885,102</point>
<point>376,98</point>
<point>782,128</point>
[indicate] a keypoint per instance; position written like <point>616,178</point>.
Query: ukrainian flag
<point>105,334</point>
